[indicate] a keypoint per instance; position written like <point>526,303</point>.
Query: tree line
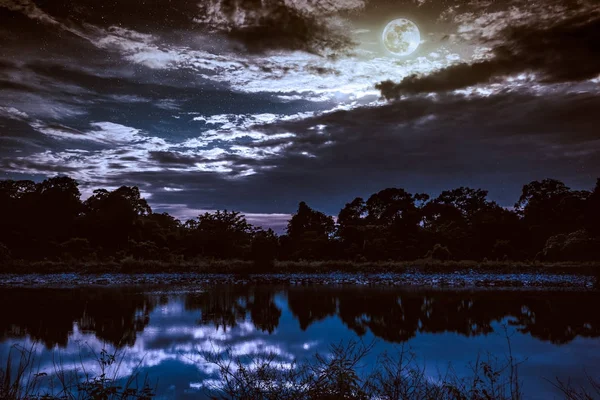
<point>48,220</point>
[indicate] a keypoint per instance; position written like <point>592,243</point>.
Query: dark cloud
<point>292,32</point>
<point>17,137</point>
<point>307,25</point>
<point>65,129</point>
<point>451,78</point>
<point>497,143</point>
<point>35,166</point>
<point>566,51</point>
<point>73,95</point>
<point>174,159</point>
<point>257,25</point>
<point>319,70</point>
<point>174,14</point>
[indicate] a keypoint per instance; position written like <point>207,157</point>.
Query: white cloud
<point>235,15</point>
<point>297,75</point>
<point>246,121</point>
<point>13,113</point>
<point>275,221</point>
<point>103,132</point>
<point>128,149</point>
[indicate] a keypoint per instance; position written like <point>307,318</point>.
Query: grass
<point>341,374</point>
<point>26,381</point>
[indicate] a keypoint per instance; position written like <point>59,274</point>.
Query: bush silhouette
<point>440,253</point>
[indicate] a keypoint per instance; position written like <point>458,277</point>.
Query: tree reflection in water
<point>117,315</point>
<point>226,306</point>
<point>399,315</point>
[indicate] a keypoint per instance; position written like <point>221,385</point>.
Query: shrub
<point>264,250</point>
<point>439,252</point>
<point>342,375</point>
<point>503,250</point>
<point>79,248</point>
<point>575,246</point>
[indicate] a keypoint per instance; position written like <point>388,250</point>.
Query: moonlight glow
<point>401,37</point>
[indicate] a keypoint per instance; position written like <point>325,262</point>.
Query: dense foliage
<point>550,221</point>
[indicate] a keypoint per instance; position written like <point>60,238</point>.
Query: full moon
<point>401,37</point>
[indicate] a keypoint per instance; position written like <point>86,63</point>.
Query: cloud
<point>563,52</point>
<point>13,113</point>
<point>330,158</point>
<point>107,133</point>
<point>30,9</point>
<point>232,104</point>
<point>276,221</point>
<point>121,147</point>
<point>307,25</point>
<point>210,59</point>
<point>427,143</point>
<point>175,159</point>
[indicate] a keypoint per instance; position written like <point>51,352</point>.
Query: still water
<point>162,332</point>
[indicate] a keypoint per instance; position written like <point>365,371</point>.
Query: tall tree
<point>309,233</point>
<point>466,200</point>
<point>55,208</point>
<point>17,205</point>
<point>113,218</point>
<point>548,208</point>
<point>352,227</point>
<point>307,221</point>
<point>393,224</point>
<point>392,206</point>
<point>223,234</point>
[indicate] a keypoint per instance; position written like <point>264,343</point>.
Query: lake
<point>163,331</point>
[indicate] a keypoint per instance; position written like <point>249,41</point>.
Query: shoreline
<point>194,281</point>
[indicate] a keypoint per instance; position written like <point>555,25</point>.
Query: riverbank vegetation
<point>340,374</point>
<point>132,265</point>
<point>48,227</point>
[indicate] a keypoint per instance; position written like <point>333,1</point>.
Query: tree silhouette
<point>398,315</point>
<point>113,218</point>
<point>550,207</point>
<point>353,230</point>
<point>264,248</point>
<point>220,234</point>
<point>466,200</point>
<point>49,221</point>
<point>49,315</point>
<point>592,215</point>
<point>226,307</point>
<point>309,232</point>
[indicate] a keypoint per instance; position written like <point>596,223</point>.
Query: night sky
<point>255,105</point>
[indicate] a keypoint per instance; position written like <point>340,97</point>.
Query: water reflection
<point>226,306</point>
<point>164,333</point>
<point>117,316</point>
<point>398,316</point>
